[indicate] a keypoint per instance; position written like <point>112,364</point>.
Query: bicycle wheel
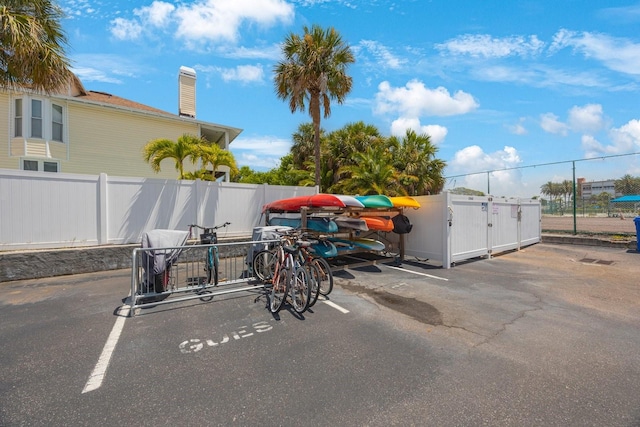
<point>279,291</point>
<point>313,274</point>
<point>264,265</point>
<point>300,290</point>
<point>212,265</point>
<point>326,277</point>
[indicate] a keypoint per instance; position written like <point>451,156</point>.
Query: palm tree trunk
<point>314,107</point>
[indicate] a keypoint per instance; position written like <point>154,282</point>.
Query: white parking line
<point>96,377</point>
<point>336,306</point>
<point>418,273</point>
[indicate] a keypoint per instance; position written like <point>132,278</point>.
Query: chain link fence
<point>597,196</point>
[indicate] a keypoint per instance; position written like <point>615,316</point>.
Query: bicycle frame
<point>209,236</point>
<point>289,278</point>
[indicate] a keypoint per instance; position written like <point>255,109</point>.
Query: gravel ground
<point>612,225</point>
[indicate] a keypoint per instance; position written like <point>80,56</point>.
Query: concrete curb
<point>58,262</point>
<point>588,241</point>
<point>38,264</point>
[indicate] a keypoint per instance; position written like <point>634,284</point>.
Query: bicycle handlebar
<point>209,228</point>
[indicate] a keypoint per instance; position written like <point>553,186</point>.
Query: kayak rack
<point>329,211</point>
<point>359,260</point>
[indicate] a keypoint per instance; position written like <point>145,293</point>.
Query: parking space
<point>547,335</point>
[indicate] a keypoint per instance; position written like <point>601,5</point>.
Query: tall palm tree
<point>566,188</point>
<point>314,71</point>
<point>32,45</point>
<point>187,146</point>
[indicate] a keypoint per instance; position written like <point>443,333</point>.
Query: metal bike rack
<point>185,277</point>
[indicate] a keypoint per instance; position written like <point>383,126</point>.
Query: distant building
<point>594,188</point>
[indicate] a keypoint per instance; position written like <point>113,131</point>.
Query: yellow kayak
<point>404,202</point>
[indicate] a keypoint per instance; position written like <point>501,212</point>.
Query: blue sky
<point>496,84</point>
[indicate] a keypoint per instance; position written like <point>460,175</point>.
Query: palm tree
<point>32,45</point>
<point>187,146</point>
<point>627,185</point>
<point>314,71</point>
<point>566,189</point>
<point>343,144</point>
<point>553,190</point>
<point>371,173</point>
<point>212,154</point>
<point>303,147</point>
<point>414,158</point>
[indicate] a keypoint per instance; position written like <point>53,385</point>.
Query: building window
<point>50,166</point>
<point>30,165</point>
<point>44,119</point>
<point>39,165</point>
<point>17,123</point>
<point>36,118</point>
<point>56,122</point>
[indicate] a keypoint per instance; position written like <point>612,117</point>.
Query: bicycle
<point>324,275</point>
<point>209,236</point>
<point>288,277</point>
<point>318,270</point>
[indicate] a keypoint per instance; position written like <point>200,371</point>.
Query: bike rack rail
<point>186,278</point>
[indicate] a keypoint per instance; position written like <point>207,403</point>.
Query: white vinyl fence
<point>449,228</point>
<point>55,210</point>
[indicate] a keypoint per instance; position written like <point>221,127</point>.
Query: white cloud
<point>272,52</point>
<point>241,73</point>
<point>105,68</point>
<point>124,29</point>
<point>438,133</point>
<point>204,21</point>
<point>586,119</point>
<point>400,126</point>
<point>384,58</point>
<point>486,46</point>
<point>260,153</point>
<point>626,139</point>
<point>473,160</point>
<point>550,123</point>
<point>617,54</point>
<point>219,20</point>
<point>592,147</point>
<point>416,100</point>
<point>518,128</point>
<point>158,14</point>
<point>88,74</point>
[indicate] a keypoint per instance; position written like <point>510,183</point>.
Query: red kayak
<point>293,204</point>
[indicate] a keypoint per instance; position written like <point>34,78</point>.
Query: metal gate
<point>188,272</point>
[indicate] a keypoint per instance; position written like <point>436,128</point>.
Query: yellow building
<point>88,132</point>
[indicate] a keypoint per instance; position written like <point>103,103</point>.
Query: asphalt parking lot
<point>544,336</point>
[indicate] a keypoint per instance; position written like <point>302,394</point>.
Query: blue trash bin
<point>636,220</point>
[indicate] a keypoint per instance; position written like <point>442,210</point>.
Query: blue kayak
<point>324,249</point>
<point>359,243</point>
<point>321,224</point>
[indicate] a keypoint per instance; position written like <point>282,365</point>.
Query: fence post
<point>575,221</point>
<point>103,210</point>
<point>198,196</point>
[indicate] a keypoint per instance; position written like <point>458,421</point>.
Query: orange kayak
<point>378,223</point>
